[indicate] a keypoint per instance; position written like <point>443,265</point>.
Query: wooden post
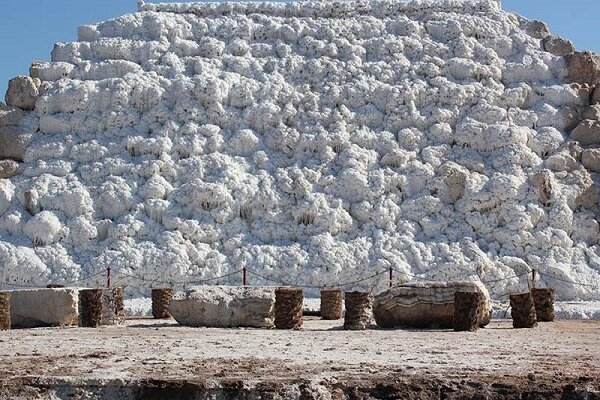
<point>391,276</point>
<point>244,276</point>
<point>108,277</point>
<point>533,278</point>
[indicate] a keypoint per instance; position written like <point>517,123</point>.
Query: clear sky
<point>29,28</point>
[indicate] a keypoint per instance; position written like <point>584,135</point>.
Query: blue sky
<point>29,29</point>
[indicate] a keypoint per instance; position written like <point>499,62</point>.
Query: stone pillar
<point>543,298</point>
<point>523,310</point>
<point>4,311</point>
<point>90,308</point>
<point>289,303</point>
<point>113,306</point>
<point>466,311</point>
<point>332,303</point>
<point>359,310</point>
<point>161,303</point>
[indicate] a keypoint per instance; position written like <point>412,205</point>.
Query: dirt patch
<point>146,359</point>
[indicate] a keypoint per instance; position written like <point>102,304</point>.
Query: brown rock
<point>593,112</point>
<point>537,29</point>
<point>558,46</point>
<point>22,93</point>
<point>583,67</point>
<point>8,168</point>
<point>596,95</point>
<point>13,142</point>
<point>587,132</point>
<point>570,118</point>
<point>591,159</point>
<point>542,183</point>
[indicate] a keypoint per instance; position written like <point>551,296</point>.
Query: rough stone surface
<point>523,310</point>
<point>113,307</point>
<point>558,46</point>
<point>543,298</point>
<point>332,304</point>
<point>587,133</point>
<point>537,29</point>
<point>90,308</point>
<point>466,311</point>
<point>583,67</point>
<point>592,112</point>
<point>10,116</point>
<point>4,311</point>
<point>8,168</point>
<point>542,183</point>
<point>314,142</point>
<point>44,307</point>
<point>225,306</point>
<point>591,159</point>
<point>13,142</point>
<point>161,302</point>
<point>426,304</point>
<point>22,93</point>
<point>359,310</point>
<point>596,95</point>
<point>288,308</point>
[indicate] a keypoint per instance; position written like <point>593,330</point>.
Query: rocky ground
<point>159,359</point>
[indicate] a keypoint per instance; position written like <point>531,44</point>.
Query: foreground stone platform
<point>44,307</point>
<point>159,359</point>
<point>224,306</point>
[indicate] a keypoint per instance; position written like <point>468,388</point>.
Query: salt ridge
<point>315,143</point>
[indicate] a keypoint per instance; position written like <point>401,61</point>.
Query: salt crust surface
<point>313,142</point>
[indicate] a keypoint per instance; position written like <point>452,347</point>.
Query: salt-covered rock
<point>426,304</point>
<point>313,142</point>
<point>8,168</point>
<point>225,306</point>
<point>13,142</point>
<point>542,183</point>
<point>587,133</point>
<point>7,191</point>
<point>10,116</point>
<point>22,93</point>
<point>43,228</point>
<point>558,46</point>
<point>591,159</point>
<point>30,308</point>
<point>596,95</point>
<point>592,112</point>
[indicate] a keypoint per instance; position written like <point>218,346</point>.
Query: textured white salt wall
<point>313,142</point>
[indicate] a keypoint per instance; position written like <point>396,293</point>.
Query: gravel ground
<point>321,354</point>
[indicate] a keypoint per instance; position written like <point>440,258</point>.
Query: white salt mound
<point>314,142</point>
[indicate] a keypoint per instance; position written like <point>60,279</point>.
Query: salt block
<point>426,304</point>
<point>225,306</point>
<point>30,308</point>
